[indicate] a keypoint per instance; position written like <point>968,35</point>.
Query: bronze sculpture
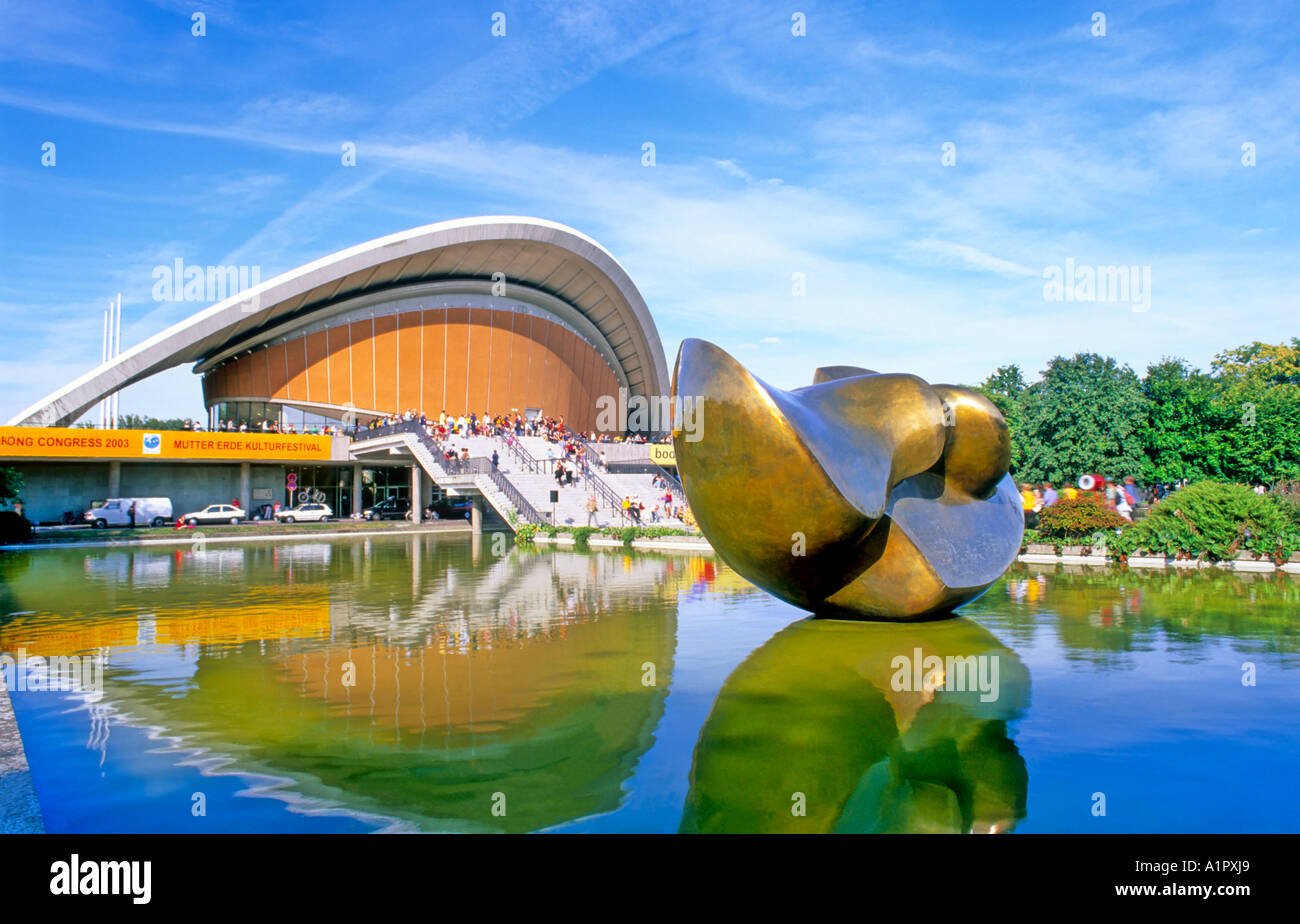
<point>861,496</point>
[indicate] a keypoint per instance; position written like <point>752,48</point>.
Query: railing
<point>478,465</point>
<point>373,433</point>
<point>674,485</point>
<point>604,491</point>
<point>522,455</point>
<point>526,510</point>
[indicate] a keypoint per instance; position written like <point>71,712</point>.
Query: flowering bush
<point>1080,517</point>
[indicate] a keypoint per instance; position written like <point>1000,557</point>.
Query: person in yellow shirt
<point>1029,502</point>
<point>1069,492</point>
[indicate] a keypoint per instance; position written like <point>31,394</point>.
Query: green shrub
<point>582,534</point>
<point>14,528</point>
<point>1211,521</point>
<point>11,484</point>
<point>525,532</point>
<point>1080,518</point>
<point>1286,497</point>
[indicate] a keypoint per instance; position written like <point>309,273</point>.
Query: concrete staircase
<point>572,507</point>
<point>533,487</point>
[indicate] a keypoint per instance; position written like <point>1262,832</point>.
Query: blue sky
<point>776,154</point>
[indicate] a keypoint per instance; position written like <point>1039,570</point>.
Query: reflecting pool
<point>423,683</point>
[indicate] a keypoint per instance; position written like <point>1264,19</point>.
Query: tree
<point>1087,414</point>
<point>141,422</point>
<point>1263,363</point>
<point>1185,435</point>
<point>1258,401</point>
<point>1005,388</point>
<point>11,485</point>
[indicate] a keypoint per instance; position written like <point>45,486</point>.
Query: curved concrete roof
<point>547,257</point>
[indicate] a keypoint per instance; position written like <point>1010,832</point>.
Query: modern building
<point>485,314</point>
<point>491,315</point>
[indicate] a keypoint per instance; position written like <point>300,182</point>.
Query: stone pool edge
<point>188,539</point>
<point>20,810</point>
<point>683,543</point>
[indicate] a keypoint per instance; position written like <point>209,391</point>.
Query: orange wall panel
<point>340,378</point>
<point>551,380</point>
<point>296,355</point>
<point>536,379</point>
<point>408,361</point>
<point>457,359</point>
<point>571,400</point>
<point>243,384</point>
<point>385,363</point>
<point>275,370</point>
<point>498,383</point>
<point>517,377</point>
<point>480,359</point>
<point>363,367</point>
<point>317,371</point>
<point>434,360</point>
<point>260,362</point>
<point>455,393</point>
<point>585,400</point>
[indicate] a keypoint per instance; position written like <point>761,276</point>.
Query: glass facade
<point>332,484</point>
<point>252,414</point>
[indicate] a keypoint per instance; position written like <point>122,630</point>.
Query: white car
<point>215,513</point>
<point>116,511</point>
<point>306,513</point>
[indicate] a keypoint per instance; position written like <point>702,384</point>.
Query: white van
<point>116,511</point>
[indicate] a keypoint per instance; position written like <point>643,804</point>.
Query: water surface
<point>422,683</point>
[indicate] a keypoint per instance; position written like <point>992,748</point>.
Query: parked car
<point>450,508</point>
<point>306,513</point>
<point>215,513</point>
<point>116,511</point>
<point>393,508</point>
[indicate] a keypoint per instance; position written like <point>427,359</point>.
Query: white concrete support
<point>476,514</point>
<point>114,478</point>
<point>246,487</point>
<point>417,502</point>
<point>356,488</point>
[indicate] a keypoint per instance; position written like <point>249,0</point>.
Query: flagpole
<point>103,358</point>
<point>117,349</point>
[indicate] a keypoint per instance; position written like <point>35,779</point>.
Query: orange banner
<point>168,445</point>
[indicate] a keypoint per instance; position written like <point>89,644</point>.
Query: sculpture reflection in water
<point>863,495</point>
<point>846,727</point>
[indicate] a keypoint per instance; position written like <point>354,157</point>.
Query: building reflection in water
<point>419,679</point>
<point>822,729</point>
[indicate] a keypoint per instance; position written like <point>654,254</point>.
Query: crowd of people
<point>265,426</point>
<point>1122,497</point>
<point>569,456</point>
<point>552,429</point>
